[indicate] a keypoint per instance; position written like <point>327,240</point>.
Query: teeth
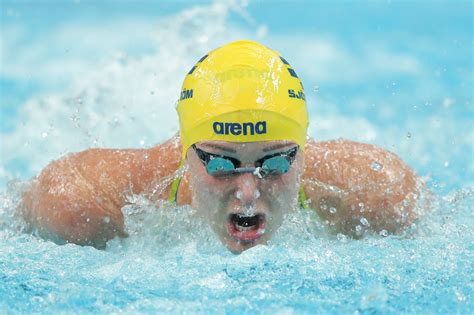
<point>243,223</point>
<point>241,228</point>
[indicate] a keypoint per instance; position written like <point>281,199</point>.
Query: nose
<point>247,188</point>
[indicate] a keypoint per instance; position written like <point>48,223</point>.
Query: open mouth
<point>245,228</point>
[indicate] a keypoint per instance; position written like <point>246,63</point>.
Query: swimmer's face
<point>244,209</point>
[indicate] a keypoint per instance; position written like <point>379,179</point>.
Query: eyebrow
<point>220,147</point>
<point>276,146</point>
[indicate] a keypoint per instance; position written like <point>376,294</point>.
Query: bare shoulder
<point>336,160</point>
<point>79,196</point>
<point>355,184</point>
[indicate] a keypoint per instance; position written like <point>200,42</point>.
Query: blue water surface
<point>398,74</point>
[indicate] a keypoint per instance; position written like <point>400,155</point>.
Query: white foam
<point>126,101</point>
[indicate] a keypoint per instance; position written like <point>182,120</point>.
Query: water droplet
<point>146,156</point>
<point>44,134</point>
<point>238,194</point>
<point>79,100</point>
<point>142,142</point>
<point>447,102</point>
<point>446,164</point>
<point>316,88</point>
<point>341,237</point>
<point>364,221</point>
<point>256,194</point>
<point>328,253</point>
<point>460,296</point>
<point>262,31</point>
<point>375,166</point>
<point>358,228</point>
<point>257,172</point>
<point>383,233</point>
<point>249,210</point>
<point>51,298</point>
<point>332,210</point>
<point>408,135</point>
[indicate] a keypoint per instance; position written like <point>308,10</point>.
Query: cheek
<point>206,189</point>
<point>282,193</point>
<point>286,184</point>
<point>212,186</point>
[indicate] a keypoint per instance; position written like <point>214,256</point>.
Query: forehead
<point>247,147</point>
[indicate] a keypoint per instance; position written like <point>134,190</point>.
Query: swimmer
<point>246,162</point>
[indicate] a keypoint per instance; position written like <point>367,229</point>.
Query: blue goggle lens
<point>276,165</point>
<point>217,165</point>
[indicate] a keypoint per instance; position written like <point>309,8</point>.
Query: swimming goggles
<point>221,165</point>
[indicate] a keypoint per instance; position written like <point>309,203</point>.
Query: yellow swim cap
<point>242,92</point>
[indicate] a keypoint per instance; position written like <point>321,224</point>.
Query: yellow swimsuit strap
<point>173,197</point>
<point>302,199</point>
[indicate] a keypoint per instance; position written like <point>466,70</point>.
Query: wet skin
<point>79,197</point>
<point>217,198</point>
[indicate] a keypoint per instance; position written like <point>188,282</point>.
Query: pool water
<point>175,264</point>
<point>395,74</point>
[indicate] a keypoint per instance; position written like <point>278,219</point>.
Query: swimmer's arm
<point>356,187</point>
<point>78,198</point>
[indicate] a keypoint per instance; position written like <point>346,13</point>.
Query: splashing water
<point>172,260</point>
